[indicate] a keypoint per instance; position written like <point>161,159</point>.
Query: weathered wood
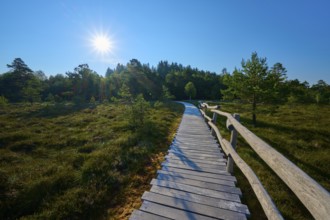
<point>140,215</point>
<point>170,212</point>
<point>203,169</point>
<point>266,202</point>
<point>219,203</point>
<point>198,162</point>
<point>315,198</point>
<point>192,206</point>
<point>190,147</point>
<point>218,161</point>
<point>224,175</point>
<point>214,120</point>
<point>205,105</point>
<point>233,142</point>
<point>193,140</point>
<point>205,154</point>
<point>193,157</point>
<point>197,190</point>
<point>196,150</point>
<point>193,182</point>
<point>200,183</point>
<point>197,165</point>
<point>193,177</point>
<point>197,145</point>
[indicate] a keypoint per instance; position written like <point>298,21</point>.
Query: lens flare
<point>101,43</point>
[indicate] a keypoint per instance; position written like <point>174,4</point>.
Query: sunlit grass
<point>301,133</point>
<point>71,162</point>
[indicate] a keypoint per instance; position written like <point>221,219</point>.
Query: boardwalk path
<point>193,182</point>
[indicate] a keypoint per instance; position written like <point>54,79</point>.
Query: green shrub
<point>3,101</point>
<point>138,112</point>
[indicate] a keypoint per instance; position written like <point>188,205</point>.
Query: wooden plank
<point>210,139</point>
<point>199,162</point>
<point>197,150</point>
<point>203,148</point>
<point>140,215</point>
<point>197,154</point>
<point>192,206</point>
<point>200,178</point>
<point>193,141</point>
<point>198,134</point>
<point>171,213</point>
<point>198,165</point>
<point>193,157</point>
<point>201,184</point>
<point>201,132</point>
<point>197,190</point>
<point>175,157</point>
<point>224,175</point>
<point>187,167</point>
<point>219,203</point>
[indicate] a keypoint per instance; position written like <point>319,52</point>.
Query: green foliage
<point>190,90</point>
<point>125,94</point>
<point>18,65</point>
<point>166,94</point>
<point>92,100</point>
<point>138,111</point>
<point>255,83</point>
<point>3,101</point>
<point>50,98</point>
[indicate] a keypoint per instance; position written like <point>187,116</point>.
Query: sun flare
<point>102,44</point>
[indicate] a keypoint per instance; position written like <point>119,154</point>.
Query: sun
<point>101,43</point>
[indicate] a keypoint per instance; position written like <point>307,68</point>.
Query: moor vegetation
<point>63,161</point>
<point>81,145</point>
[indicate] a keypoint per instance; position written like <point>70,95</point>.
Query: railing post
<point>214,120</point>
<point>233,142</point>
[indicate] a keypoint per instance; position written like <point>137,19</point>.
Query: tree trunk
<point>254,107</point>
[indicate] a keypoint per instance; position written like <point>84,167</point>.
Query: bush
<point>138,112</point>
<point>3,101</point>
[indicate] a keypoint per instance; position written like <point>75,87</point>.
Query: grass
<point>301,133</point>
<point>62,161</point>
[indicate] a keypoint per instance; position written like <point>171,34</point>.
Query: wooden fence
<point>315,198</point>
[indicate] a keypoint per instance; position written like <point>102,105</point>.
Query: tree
<point>125,93</point>
<point>32,89</point>
<point>166,94</point>
<point>18,65</point>
<point>19,82</point>
<point>254,83</point>
<point>190,90</point>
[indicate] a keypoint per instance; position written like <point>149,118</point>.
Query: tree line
<point>254,82</point>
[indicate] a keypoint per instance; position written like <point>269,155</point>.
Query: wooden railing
<point>315,198</point>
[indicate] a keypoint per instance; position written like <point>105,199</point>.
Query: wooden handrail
<point>266,202</point>
<point>315,198</point>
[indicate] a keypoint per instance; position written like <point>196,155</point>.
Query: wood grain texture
<point>193,207</point>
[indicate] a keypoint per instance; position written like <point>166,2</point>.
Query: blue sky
<point>54,36</point>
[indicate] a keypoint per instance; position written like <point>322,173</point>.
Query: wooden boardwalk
<point>193,182</point>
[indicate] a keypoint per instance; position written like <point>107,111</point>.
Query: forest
<point>255,82</point>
